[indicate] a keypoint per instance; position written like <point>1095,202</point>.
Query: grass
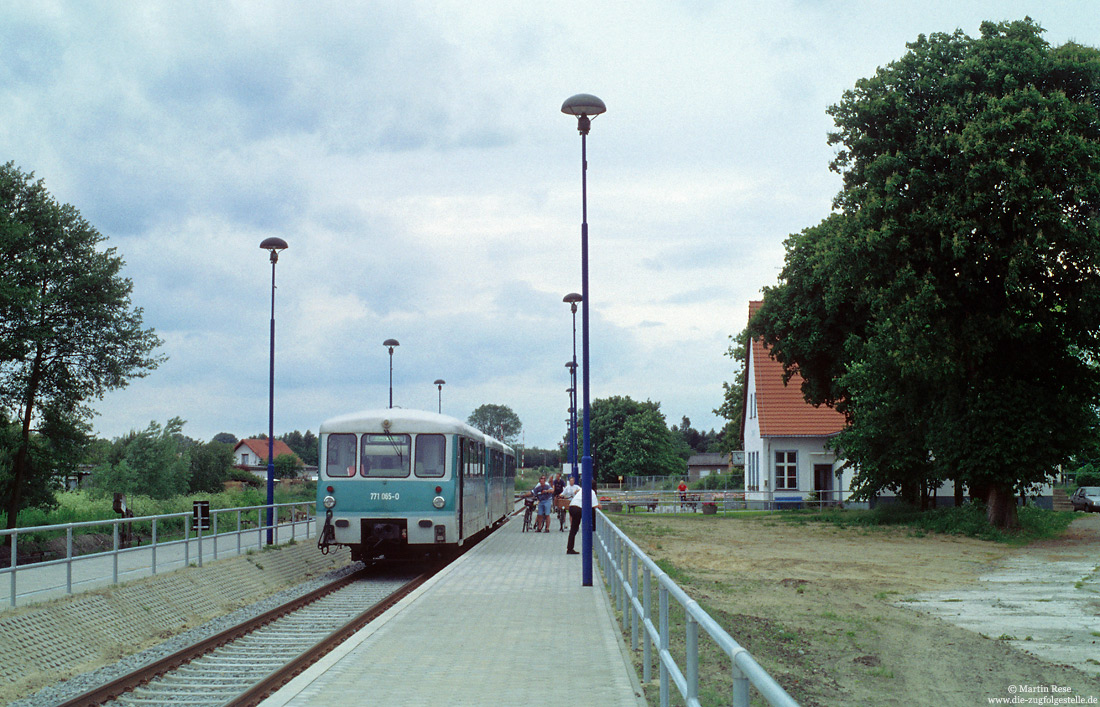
<point>81,506</point>
<point>968,520</point>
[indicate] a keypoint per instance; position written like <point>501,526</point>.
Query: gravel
<point>55,694</point>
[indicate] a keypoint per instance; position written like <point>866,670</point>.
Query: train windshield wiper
<point>396,448</point>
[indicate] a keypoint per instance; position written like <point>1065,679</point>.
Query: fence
<point>725,481</point>
<point>168,532</point>
<point>621,561</point>
<point>711,501</point>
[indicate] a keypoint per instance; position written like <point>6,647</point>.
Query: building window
<point>786,470</point>
<point>244,459</point>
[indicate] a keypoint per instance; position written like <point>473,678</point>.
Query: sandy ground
<point>882,617</point>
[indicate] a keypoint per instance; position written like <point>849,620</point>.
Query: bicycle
<point>528,513</point>
<point>561,509</point>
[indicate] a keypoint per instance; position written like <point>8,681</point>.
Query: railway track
<point>243,664</point>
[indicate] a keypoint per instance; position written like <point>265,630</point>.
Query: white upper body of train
<point>395,482</point>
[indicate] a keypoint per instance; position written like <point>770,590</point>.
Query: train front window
<point>340,455</point>
<point>385,456</point>
<point>431,456</point>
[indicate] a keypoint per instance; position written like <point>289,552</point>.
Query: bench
<point>648,503</point>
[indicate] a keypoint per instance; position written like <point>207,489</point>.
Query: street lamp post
<point>583,106</point>
<point>572,390</point>
<point>439,383</point>
<point>274,245</point>
<point>572,298</point>
<point>391,343</point>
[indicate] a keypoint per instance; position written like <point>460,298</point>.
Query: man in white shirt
<point>575,512</point>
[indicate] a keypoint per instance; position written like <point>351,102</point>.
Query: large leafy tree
<point>68,332</point>
<point>951,307</point>
<point>210,466</point>
<point>631,438</point>
<point>497,421</point>
<point>155,462</point>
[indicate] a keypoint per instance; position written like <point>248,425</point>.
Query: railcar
<point>399,483</point>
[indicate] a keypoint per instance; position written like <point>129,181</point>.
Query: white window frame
<point>789,464</point>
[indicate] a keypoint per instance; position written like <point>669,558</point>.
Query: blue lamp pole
<point>571,429</point>
<point>572,298</point>
<point>583,106</point>
<point>274,245</point>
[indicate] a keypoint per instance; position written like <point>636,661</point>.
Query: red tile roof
<point>259,448</point>
<point>781,409</point>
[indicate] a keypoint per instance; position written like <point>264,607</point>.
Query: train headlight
<point>329,501</point>
<point>438,501</point>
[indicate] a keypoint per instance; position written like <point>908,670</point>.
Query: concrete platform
<point>507,624</point>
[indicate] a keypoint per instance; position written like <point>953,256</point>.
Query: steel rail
<point>144,674</point>
<point>279,677</point>
<point>261,690</point>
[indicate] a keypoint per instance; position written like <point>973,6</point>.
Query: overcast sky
<point>414,157</point>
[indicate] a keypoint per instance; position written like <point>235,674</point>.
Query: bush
<point>244,475</point>
<point>968,519</point>
<point>79,506</point>
<point>1088,477</point>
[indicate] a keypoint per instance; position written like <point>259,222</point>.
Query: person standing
<point>575,516</point>
<point>544,492</point>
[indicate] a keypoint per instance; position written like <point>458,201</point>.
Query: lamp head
<point>274,245</point>
<point>440,382</point>
<point>390,343</point>
<point>583,105</point>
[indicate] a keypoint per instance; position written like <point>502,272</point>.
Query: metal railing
<point>621,562</point>
<point>707,500</point>
<point>183,530</point>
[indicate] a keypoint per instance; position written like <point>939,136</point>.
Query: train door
<point>460,474</point>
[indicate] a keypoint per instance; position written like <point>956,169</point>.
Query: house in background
<point>786,457</point>
<point>703,465</point>
<point>252,453</point>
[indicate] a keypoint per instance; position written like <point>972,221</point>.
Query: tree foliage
<point>535,457</point>
<point>951,307</point>
<point>631,438</point>
<point>692,441</point>
<point>210,465</point>
<point>304,445</point>
<point>732,409</point>
<point>497,421</point>
<point>285,466</point>
<point>68,332</point>
<point>152,462</point>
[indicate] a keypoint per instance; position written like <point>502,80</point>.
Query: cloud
<point>414,157</point>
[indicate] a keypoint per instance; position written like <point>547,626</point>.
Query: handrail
<point>620,559</point>
<point>192,533</point>
<point>695,500</point>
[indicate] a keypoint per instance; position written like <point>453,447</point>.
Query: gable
<point>259,448</point>
<point>780,408</point>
